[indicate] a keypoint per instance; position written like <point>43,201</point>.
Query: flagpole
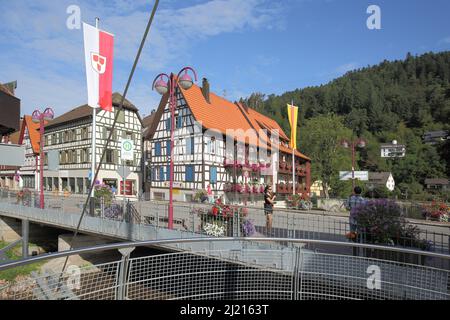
<point>293,158</point>
<point>94,138</point>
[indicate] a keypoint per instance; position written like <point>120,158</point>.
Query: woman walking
<point>269,201</point>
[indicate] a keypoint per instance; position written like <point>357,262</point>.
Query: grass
<point>13,273</point>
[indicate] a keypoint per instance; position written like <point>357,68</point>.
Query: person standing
<point>210,194</point>
<point>353,201</point>
<point>269,201</point>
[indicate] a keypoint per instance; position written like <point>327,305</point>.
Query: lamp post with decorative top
<point>170,85</point>
<point>40,117</point>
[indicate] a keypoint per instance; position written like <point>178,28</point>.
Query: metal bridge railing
<point>292,273</point>
<point>194,218</point>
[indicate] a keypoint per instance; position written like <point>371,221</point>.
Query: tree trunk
<point>325,190</point>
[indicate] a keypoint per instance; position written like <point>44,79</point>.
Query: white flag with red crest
<point>99,51</point>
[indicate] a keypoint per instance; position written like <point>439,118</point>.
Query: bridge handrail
<point>123,245</point>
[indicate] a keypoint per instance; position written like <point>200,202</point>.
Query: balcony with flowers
<point>245,188</point>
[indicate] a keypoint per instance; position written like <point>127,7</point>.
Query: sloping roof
<point>437,181</point>
<point>222,115</point>
<point>15,137</point>
<point>33,132</point>
<point>75,114</point>
<point>5,89</point>
<point>85,111</point>
<point>147,123</point>
<point>260,122</point>
<point>379,177</point>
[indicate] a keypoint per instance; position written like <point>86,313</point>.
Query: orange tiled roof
<point>222,114</point>
<point>33,132</point>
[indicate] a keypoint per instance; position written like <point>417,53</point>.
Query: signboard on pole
<point>360,175</point>
<point>53,160</point>
<point>123,171</point>
<point>127,149</point>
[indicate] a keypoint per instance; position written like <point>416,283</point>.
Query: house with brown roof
<point>26,176</point>
<point>437,184</point>
<point>382,179</point>
<point>225,146</point>
<point>70,136</point>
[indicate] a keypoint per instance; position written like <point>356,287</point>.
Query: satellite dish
<point>394,141</point>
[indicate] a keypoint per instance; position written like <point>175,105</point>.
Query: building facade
<point>26,176</point>
<point>226,147</point>
<point>70,137</point>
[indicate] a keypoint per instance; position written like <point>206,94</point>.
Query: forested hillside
<point>398,100</point>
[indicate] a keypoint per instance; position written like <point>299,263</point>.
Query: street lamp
<point>184,80</point>
<point>40,117</point>
<point>360,143</point>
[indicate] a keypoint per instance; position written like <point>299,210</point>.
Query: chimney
<point>205,89</point>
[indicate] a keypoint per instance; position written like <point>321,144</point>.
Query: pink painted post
<point>41,160</point>
<point>172,133</point>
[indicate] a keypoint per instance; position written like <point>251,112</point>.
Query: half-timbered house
<point>205,123</point>
<point>70,135</point>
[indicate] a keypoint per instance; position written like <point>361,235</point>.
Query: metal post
<point>123,273</point>
<point>123,186</point>
<point>25,237</point>
<point>41,163</point>
<point>293,153</point>
<point>296,279</point>
<point>172,133</point>
<point>93,143</point>
<point>353,165</point>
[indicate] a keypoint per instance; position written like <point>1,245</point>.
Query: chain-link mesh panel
<point>202,276</point>
<point>293,272</point>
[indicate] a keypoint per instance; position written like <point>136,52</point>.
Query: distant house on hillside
<point>382,179</point>
<point>393,150</point>
<point>433,137</point>
<point>437,184</point>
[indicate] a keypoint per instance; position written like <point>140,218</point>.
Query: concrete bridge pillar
<point>25,237</point>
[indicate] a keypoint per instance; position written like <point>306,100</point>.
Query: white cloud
<point>47,58</point>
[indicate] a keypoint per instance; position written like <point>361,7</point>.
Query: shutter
<point>213,174</point>
<point>116,157</point>
<point>168,147</point>
<point>161,174</point>
<point>168,173</point>
<point>188,146</point>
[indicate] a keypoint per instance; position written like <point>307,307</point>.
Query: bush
<point>381,222</point>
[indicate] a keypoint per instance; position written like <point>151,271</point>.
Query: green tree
<point>320,138</point>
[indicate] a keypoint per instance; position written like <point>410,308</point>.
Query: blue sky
<point>241,46</point>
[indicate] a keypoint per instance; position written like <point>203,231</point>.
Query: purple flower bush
<point>113,212</point>
<point>248,228</point>
<point>381,221</point>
